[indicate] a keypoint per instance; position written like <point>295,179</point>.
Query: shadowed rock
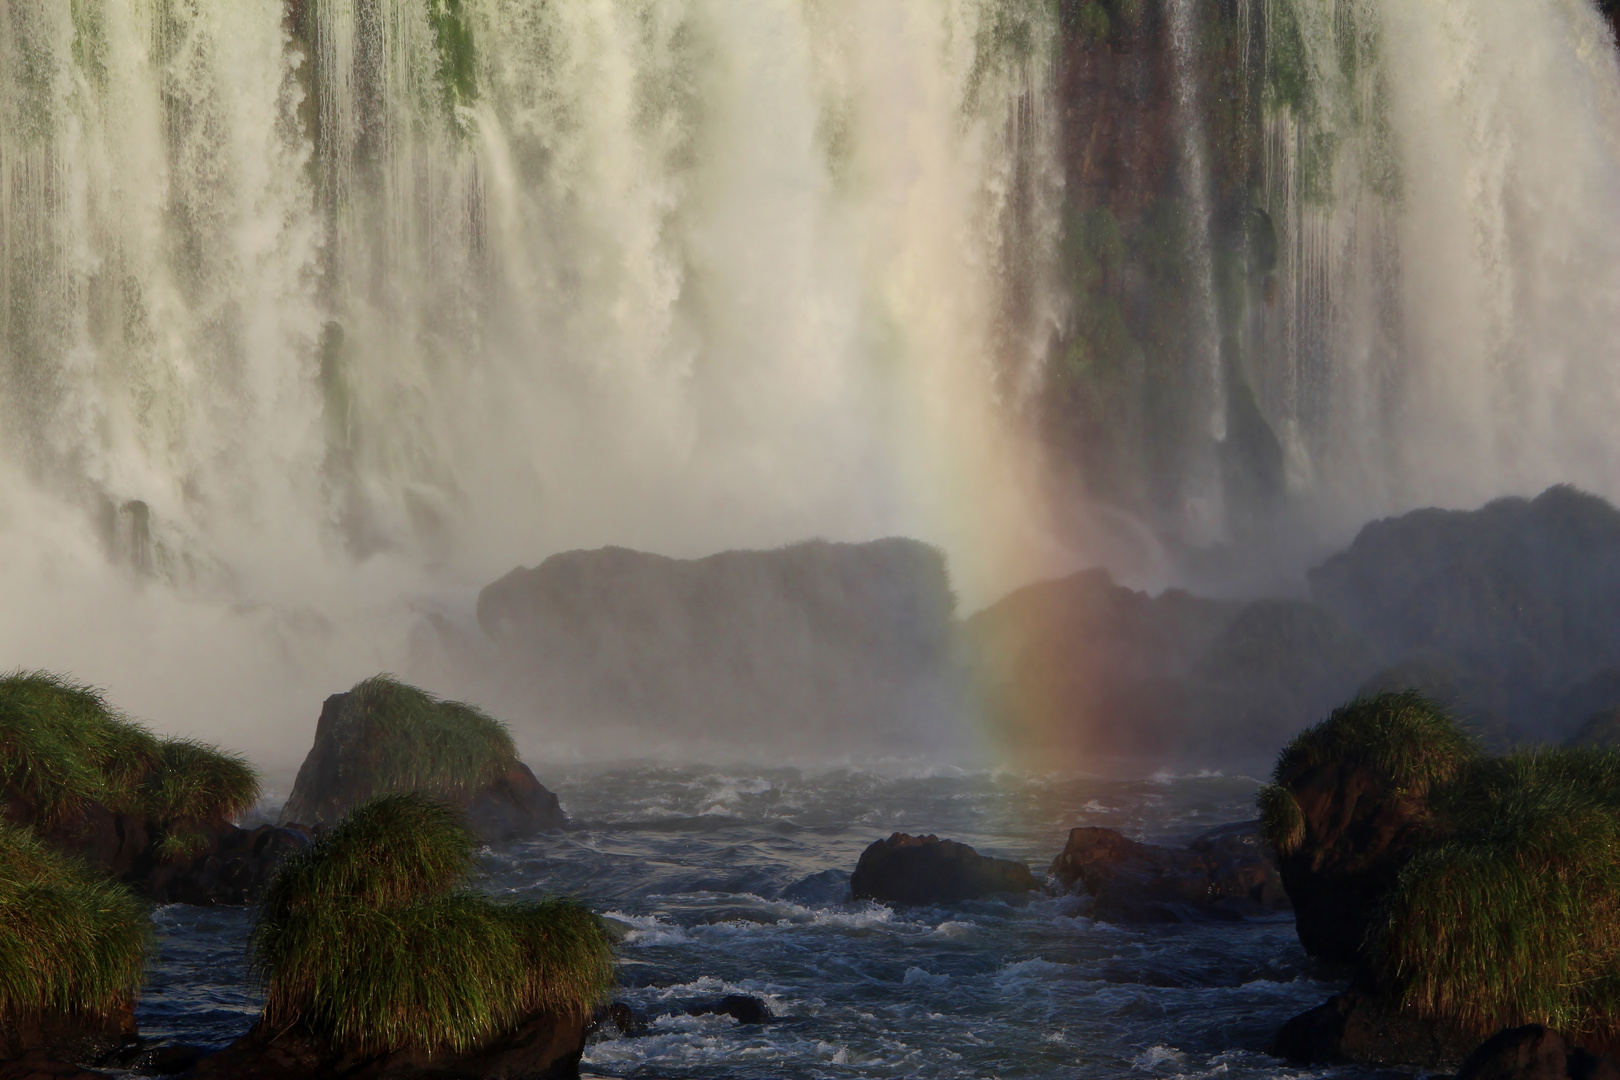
<point>913,870</point>
<point>1533,1052</point>
<point>1224,874</point>
<point>543,1047</point>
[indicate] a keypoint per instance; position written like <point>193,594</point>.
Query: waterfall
<point>1445,179</point>
<point>315,315</point>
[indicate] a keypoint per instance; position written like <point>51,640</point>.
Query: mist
<point>314,326</point>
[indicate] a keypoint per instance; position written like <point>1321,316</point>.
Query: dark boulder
<point>543,1047</point>
<point>351,747</point>
<point>743,1008</point>
<point>228,865</point>
<point>63,1037</point>
<point>906,869</point>
<point>1224,874</point>
<point>38,1066</point>
<point>233,866</point>
<point>1533,1052</point>
<point>1358,1026</point>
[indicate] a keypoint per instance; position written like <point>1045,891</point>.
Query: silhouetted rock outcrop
<point>913,870</point>
<point>1517,603</point>
<point>810,645</point>
<point>1083,668</point>
<point>1222,875</point>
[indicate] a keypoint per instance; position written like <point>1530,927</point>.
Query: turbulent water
<point>738,882</point>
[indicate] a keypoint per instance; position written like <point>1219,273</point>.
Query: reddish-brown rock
<point>1359,831</point>
<point>1224,874</point>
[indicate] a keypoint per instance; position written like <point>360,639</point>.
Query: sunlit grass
<point>70,942</point>
<point>371,938</point>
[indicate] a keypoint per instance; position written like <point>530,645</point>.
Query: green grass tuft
<point>1403,735</point>
<point>62,745</point>
<point>1513,917</point>
<point>69,942</point>
<point>370,938</point>
<point>422,743</point>
<point>196,782</point>
<point>1282,822</point>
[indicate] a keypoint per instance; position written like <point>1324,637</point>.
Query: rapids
<point>736,881</point>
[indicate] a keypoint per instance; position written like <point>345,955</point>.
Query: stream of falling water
<point>317,316</point>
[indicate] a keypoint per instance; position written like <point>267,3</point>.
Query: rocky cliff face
<point>808,647</point>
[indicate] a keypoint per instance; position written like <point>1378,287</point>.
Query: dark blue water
<point>736,881</point>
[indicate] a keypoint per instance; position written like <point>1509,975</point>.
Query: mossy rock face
<point>384,737</point>
<point>1349,805</point>
<point>1472,892</point>
<point>376,954</point>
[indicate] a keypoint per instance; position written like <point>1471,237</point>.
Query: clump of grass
<point>1512,916</point>
<point>1404,736</point>
<point>62,745</point>
<point>195,782</point>
<point>1282,822</point>
<point>370,938</point>
<point>413,741</point>
<point>69,942</point>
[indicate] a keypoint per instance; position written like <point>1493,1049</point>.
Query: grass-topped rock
<point>384,736</point>
<point>379,959</point>
<point>1473,893</point>
<point>73,948</point>
<point>156,811</point>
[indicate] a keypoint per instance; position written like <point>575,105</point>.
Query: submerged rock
<point>384,736</point>
<point>914,870</point>
<point>1227,873</point>
<point>743,1008</point>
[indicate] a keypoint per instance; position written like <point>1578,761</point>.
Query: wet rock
<point>906,869</point>
<point>544,1047</point>
<point>1226,873</point>
<point>64,1037</point>
<point>234,866</point>
<point>1360,829</point>
<point>1357,1026</point>
<point>1534,1052</point>
<point>622,1017</point>
<point>743,1008</point>
<point>38,1066</point>
<point>514,805</point>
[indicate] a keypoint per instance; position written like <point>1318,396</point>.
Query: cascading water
<point>1445,179</point>
<point>318,312</point>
